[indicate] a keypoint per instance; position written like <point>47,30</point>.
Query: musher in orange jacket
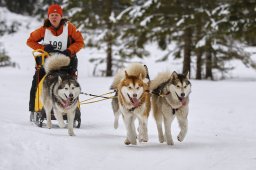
<point>57,34</point>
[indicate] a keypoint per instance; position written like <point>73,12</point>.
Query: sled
<point>39,114</point>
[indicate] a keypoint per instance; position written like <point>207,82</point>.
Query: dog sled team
<point>167,94</point>
<point>55,83</point>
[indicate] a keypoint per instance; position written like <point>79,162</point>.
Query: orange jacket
<point>75,38</point>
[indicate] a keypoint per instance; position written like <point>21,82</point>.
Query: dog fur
<point>170,99</point>
<point>60,92</point>
<point>133,101</point>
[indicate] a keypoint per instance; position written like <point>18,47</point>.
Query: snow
<point>221,131</point>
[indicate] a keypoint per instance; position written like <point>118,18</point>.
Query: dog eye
<point>129,87</point>
<point>66,88</point>
<point>178,86</point>
<point>185,87</point>
<point>137,88</point>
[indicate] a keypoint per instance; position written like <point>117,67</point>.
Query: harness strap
<point>97,96</point>
<point>88,102</point>
<point>132,109</point>
<point>174,111</point>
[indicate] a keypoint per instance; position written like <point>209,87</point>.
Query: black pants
<point>40,73</point>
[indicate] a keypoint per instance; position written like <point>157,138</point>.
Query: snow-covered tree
<point>102,29</point>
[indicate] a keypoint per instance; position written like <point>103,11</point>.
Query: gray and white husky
<point>170,99</point>
<point>60,92</point>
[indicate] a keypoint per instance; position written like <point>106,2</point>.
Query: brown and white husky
<point>133,101</point>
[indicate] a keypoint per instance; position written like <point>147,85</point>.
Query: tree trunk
<point>109,55</point>
<point>187,50</point>
<point>208,62</point>
<point>199,50</point>
<point>199,64</point>
<point>109,38</point>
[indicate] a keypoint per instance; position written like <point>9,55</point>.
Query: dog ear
<point>145,80</point>
<point>140,76</point>
<point>59,79</point>
<point>126,74</point>
<point>174,74</point>
<point>187,75</point>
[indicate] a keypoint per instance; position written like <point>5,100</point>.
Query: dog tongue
<point>183,101</point>
<point>135,102</point>
<point>67,103</point>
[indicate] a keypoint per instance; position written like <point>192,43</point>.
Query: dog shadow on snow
<point>94,132</point>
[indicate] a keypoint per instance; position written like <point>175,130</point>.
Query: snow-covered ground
<point>221,135</point>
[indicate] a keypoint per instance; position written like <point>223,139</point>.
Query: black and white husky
<point>60,92</point>
<point>170,99</point>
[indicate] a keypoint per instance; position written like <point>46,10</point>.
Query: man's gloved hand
<point>49,48</point>
<point>66,53</point>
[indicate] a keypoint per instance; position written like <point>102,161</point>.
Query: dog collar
<point>132,109</point>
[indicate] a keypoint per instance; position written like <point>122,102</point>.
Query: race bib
<point>59,42</point>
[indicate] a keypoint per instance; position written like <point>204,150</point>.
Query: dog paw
<point>116,124</point>
<point>49,125</point>
<point>180,137</point>
<point>127,142</point>
<point>62,125</point>
<point>71,133</point>
<point>161,140</point>
<point>144,138</point>
<point>170,142</point>
<point>134,142</point>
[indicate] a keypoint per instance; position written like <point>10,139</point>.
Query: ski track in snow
<point>221,132</point>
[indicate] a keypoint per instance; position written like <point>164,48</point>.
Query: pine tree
<point>98,20</point>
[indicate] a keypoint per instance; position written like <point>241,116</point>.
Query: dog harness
<point>59,42</point>
<point>158,92</point>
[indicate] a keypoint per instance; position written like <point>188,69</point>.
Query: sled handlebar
<point>40,56</point>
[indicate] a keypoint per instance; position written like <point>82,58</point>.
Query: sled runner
<point>39,115</point>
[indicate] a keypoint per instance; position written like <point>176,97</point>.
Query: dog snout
<point>134,95</point>
<point>182,94</point>
<point>71,95</point>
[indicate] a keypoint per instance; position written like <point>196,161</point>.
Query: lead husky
<point>60,92</point>
<point>133,101</point>
<point>170,99</point>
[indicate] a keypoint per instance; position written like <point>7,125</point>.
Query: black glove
<point>49,48</point>
<point>66,53</point>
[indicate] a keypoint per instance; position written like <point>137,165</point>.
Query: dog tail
<point>117,79</point>
<point>134,69</point>
<point>56,62</point>
<point>160,79</point>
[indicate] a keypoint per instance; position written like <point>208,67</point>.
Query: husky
<point>170,99</point>
<point>132,101</point>
<point>60,92</point>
